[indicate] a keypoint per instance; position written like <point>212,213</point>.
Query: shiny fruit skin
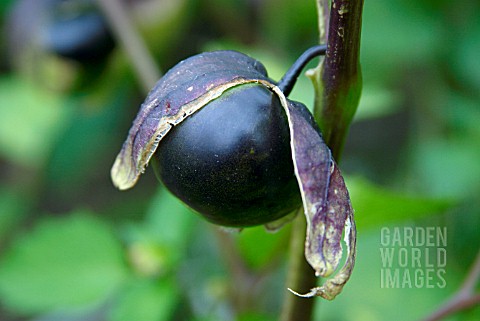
<point>231,161</point>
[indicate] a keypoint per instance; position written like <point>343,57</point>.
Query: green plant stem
<point>337,80</point>
<point>301,277</point>
<point>337,84</point>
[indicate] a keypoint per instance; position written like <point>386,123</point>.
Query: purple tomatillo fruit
<point>225,139</point>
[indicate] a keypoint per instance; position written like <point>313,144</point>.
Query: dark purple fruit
<point>76,30</point>
<point>226,140</point>
<point>231,161</point>
<point>84,37</point>
<point>217,134</point>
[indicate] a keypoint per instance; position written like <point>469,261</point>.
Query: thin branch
<point>143,63</point>
<point>454,305</point>
<point>244,280</point>
<point>472,278</point>
<point>465,297</point>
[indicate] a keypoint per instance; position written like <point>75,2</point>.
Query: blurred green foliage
<point>76,257</point>
<point>74,248</point>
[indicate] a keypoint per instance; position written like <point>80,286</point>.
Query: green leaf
<point>255,317</point>
<point>380,44</point>
<point>376,102</point>
<point>30,120</point>
<point>375,206</point>
<point>448,168</point>
<point>88,139</point>
<point>4,6</point>
<point>13,208</point>
<point>259,248</point>
<point>146,301</point>
<point>160,242</point>
<point>63,263</point>
<point>169,220</point>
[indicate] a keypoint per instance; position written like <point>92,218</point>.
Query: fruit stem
<point>290,78</point>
